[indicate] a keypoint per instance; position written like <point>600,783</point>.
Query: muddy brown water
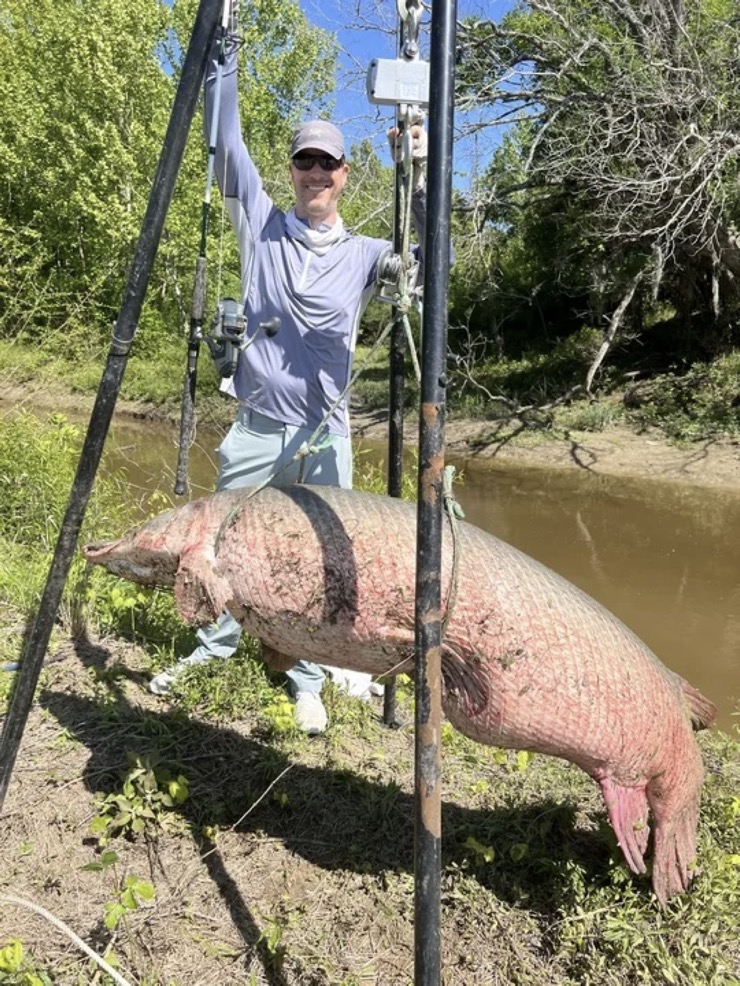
<point>662,557</point>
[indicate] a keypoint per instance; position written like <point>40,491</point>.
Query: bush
<point>38,461</point>
<point>702,403</point>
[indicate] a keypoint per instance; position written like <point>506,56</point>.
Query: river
<point>662,557</point>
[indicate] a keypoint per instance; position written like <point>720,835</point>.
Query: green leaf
<point>486,853</point>
<point>113,914</point>
<point>142,888</point>
<point>11,956</point>
<point>99,824</point>
<point>128,900</point>
<point>518,851</point>
<point>179,789</point>
<point>523,758</point>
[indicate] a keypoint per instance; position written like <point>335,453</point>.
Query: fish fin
<point>674,854</point>
<point>201,594</point>
<point>466,684</point>
<point>701,710</point>
<point>628,814</point>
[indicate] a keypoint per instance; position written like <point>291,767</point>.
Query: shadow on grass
<point>333,818</point>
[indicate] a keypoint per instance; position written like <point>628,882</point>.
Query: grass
<point>697,403</point>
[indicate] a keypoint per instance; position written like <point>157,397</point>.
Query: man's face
<point>317,190</point>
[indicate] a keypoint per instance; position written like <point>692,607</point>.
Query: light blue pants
<point>256,449</point>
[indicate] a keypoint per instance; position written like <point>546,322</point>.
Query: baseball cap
<point>320,135</point>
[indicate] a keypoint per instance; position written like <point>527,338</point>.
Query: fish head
<point>150,554</point>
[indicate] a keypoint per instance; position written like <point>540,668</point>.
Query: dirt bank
<point>615,451</point>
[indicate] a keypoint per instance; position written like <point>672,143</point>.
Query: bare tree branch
<point>629,123</point>
<point>611,333</point>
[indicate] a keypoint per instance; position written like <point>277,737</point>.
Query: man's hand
<point>418,151</point>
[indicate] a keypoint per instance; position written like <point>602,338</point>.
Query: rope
<point>412,347</point>
<point>58,923</point>
<point>454,513</point>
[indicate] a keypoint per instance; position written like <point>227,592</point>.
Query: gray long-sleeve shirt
<point>298,374</point>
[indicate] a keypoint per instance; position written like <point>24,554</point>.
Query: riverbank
<point>616,450</point>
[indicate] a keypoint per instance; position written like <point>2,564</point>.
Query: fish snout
<point>97,551</point>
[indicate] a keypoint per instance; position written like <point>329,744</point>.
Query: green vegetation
<point>140,808</point>
<point>97,85</point>
<point>569,269</point>
<point>18,969</point>
<point>128,894</point>
<point>611,201</point>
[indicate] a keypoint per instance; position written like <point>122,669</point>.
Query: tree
<point>85,97</point>
<point>628,128</point>
<point>76,145</point>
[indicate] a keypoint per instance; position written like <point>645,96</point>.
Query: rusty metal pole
<point>37,639</point>
<point>428,854</point>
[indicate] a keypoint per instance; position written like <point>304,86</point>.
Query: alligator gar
<point>529,661</point>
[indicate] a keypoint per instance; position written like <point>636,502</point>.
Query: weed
<point>481,853</point>
<point>129,898</point>
<point>141,808</point>
<point>587,415</point>
<point>699,404</point>
<point>369,474</point>
<point>38,460</point>
<point>6,684</point>
<point>16,969</point>
<point>128,893</point>
<point>280,713</point>
<point>287,917</point>
<point>229,689</point>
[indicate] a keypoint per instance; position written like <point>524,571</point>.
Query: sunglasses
<point>324,161</point>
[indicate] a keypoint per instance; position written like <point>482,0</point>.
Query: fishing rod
<point>233,321</point>
<point>37,639</point>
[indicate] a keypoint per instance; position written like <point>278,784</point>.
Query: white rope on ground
<point>83,946</point>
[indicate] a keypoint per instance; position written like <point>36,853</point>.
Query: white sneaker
<point>310,714</point>
<point>356,684</point>
<point>161,684</point>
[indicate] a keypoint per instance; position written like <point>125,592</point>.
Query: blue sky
<point>365,32</point>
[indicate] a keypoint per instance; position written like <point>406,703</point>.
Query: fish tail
<point>628,814</point>
<point>674,853</point>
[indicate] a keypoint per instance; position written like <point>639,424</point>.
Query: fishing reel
<point>228,335</point>
<point>397,281</point>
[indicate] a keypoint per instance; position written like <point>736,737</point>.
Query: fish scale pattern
<point>530,661</point>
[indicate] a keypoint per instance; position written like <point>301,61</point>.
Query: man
<point>304,272</point>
